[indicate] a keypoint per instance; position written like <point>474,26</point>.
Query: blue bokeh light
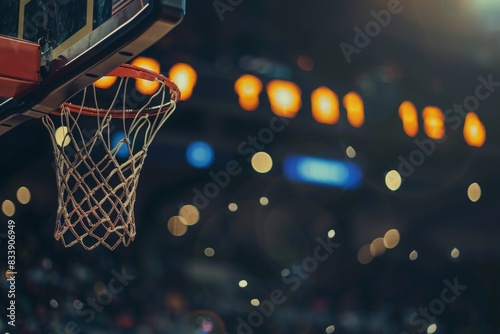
<point>200,154</point>
<point>115,140</point>
<point>327,172</point>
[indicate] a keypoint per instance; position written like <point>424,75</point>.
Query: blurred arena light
<point>147,87</point>
<point>377,247</point>
<point>474,192</point>
<point>185,77</point>
<point>393,180</point>
<point>248,87</point>
<point>487,4</point>
<point>190,213</point>
<point>330,329</point>
<point>353,104</point>
<point>209,252</point>
<point>264,201</point>
<point>488,12</point>
<point>8,208</point>
<point>391,239</point>
<point>200,154</point>
<point>233,207</point>
<point>325,105</point>
<point>305,63</point>
<point>321,171</point>
<point>331,234</point>
<point>118,140</point>
<point>350,152</point>
<point>23,195</point>
<point>105,82</point>
<point>433,122</point>
<point>364,255</point>
<point>409,116</point>
<point>262,162</point>
<point>474,131</point>
<point>284,97</point>
<point>61,136</point>
<point>177,226</point>
<point>431,329</point>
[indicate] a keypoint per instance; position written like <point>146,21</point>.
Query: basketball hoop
<point>96,187</point>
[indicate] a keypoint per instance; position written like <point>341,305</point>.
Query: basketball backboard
<point>80,41</point>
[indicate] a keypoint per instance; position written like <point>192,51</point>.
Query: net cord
<point>120,196</point>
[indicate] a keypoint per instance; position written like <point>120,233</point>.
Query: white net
<point>97,176</point>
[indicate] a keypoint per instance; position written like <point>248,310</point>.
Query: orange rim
<point>127,71</point>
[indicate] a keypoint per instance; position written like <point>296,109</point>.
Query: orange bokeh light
<point>353,103</point>
<point>105,82</point>
<point>185,78</point>
<point>433,122</point>
<point>409,117</point>
<point>284,97</point>
<point>147,87</point>
<point>474,131</point>
<point>325,106</point>
<point>248,87</point>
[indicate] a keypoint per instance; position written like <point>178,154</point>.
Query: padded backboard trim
<point>16,80</point>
